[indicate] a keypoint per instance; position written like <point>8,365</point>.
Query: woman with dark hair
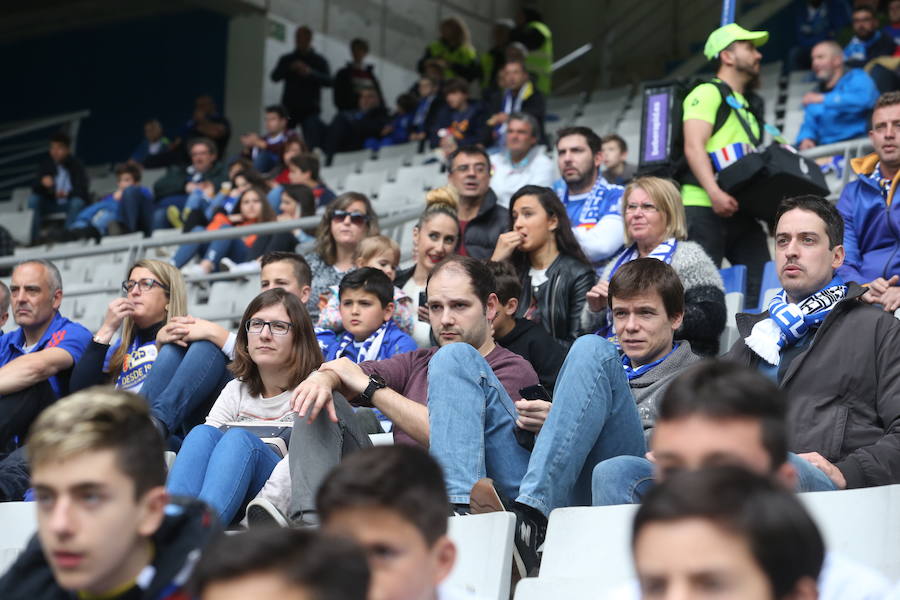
<point>346,221</point>
<point>276,349</point>
<point>252,208</point>
<point>554,271</point>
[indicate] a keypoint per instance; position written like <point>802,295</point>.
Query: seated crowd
<point>552,343</point>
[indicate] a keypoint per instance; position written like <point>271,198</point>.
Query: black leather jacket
<point>562,298</point>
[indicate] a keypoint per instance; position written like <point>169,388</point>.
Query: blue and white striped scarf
<point>788,323</point>
<point>370,347</point>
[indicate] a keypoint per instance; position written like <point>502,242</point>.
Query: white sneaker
<point>193,270</point>
<point>250,267</point>
<point>262,513</point>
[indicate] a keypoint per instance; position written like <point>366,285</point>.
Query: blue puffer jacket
<point>844,113</point>
<point>871,227</point>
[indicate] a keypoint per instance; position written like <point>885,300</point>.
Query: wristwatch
<point>376,382</point>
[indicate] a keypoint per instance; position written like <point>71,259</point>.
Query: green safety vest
<point>463,54</point>
<point>540,61</point>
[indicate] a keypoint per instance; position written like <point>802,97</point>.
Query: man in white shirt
<point>523,162</point>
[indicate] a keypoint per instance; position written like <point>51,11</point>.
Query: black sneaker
<point>531,525</point>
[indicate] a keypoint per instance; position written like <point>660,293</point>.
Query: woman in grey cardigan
<point>655,227</point>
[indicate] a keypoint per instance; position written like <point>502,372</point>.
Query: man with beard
<point>712,213</point>
<point>839,108</point>
<point>591,202</point>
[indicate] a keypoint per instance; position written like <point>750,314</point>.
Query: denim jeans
<point>265,161</point>
<point>184,380</point>
<point>44,206</point>
<point>160,218</point>
<point>472,423</point>
<point>197,200</point>
<point>224,469</point>
<point>136,211</point>
<point>214,251</point>
<point>627,479</point>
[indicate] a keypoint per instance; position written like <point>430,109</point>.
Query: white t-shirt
<point>236,404</point>
<point>538,277</point>
<point>535,169</point>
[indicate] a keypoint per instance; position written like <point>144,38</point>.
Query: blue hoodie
<point>844,114</point>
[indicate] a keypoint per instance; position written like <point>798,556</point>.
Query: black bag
<point>760,181</point>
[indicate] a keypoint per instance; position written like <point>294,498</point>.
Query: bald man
<point>838,109</point>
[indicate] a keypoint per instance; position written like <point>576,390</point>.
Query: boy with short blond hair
<point>106,527</point>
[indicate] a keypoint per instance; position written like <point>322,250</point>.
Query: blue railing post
<point>728,12</point>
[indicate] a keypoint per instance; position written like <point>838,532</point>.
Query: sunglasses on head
<point>357,218</point>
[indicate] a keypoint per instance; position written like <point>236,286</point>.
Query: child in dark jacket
<point>526,338</point>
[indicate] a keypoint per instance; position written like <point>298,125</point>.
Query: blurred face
<point>362,313</point>
<point>519,138</point>
<point>92,529</point>
<point>644,329</point>
<point>531,220</point>
<point>894,11</point>
<point>288,206</point>
<point>267,349</point>
<point>303,39</point>
<point>456,100</point>
<point>514,76</point>
<point>358,52</point>
<point>149,307</point>
<point>697,441</point>
<point>804,262</point>
<point>697,559</point>
<point>885,135</point>
<point>612,155</point>
<point>33,303</point>
<point>281,274</point>
<point>402,565</point>
<point>864,24</point>
<point>264,584</point>
<point>291,150</point>
<point>59,152</point>
<point>152,131</point>
<point>275,123</point>
<point>577,164</point>
<point>202,158</point>
<point>455,312</point>
<point>125,180</point>
<point>352,227</point>
<point>251,205</point>
<point>745,57</point>
<point>368,99</point>
<point>435,239</point>
<point>825,62</point>
<point>426,88</point>
<point>470,174</point>
<point>385,262</point>
<point>645,223</point>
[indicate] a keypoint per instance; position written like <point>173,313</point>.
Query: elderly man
<point>839,109</point>
<point>523,162</point>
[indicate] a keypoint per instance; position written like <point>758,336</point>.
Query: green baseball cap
<point>722,37</point>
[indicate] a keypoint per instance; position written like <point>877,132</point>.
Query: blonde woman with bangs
<point>655,227</point>
<point>152,355</point>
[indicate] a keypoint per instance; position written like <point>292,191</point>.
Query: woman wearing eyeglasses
<point>346,221</point>
<point>655,227</point>
<point>276,349</point>
<point>554,271</point>
<point>151,337</point>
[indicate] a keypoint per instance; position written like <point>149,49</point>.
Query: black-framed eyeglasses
<point>479,168</point>
<point>145,285</point>
<point>276,327</point>
<point>357,218</point>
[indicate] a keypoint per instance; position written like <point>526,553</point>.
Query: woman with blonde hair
<point>152,356</point>
<point>347,220</point>
<point>435,236</point>
<point>454,50</point>
<point>655,227</point>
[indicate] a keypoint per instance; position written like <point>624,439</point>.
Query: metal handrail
<point>42,123</point>
<point>850,149</point>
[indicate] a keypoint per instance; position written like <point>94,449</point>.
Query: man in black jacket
<point>61,184</point>
<point>354,76</point>
<point>349,129</point>
<point>304,72</point>
<point>106,527</point>
<point>519,95</point>
<point>837,357</point>
<point>481,219</point>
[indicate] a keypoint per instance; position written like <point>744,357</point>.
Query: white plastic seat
<point>484,554</point>
<point>18,522</point>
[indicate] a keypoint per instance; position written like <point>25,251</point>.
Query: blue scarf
<point>632,373</point>
<point>370,348</point>
<point>788,323</point>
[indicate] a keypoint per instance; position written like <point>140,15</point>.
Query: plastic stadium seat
<point>422,176</point>
<point>407,150</point>
<point>734,303</point>
<point>770,285</point>
<point>397,196</point>
<point>552,588</point>
<point>150,176</point>
<point>365,183</point>
<point>484,554</point>
<point>735,279</point>
<point>334,176</point>
<point>19,225</point>
<point>351,158</point>
<point>18,522</point>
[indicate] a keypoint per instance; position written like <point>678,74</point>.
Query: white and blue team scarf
<point>632,373</point>
<point>664,252</point>
<point>603,199</point>
<point>370,347</point>
<point>788,323</point>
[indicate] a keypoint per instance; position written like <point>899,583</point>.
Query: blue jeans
<point>214,251</point>
<point>472,422</point>
<point>627,479</point>
<point>160,219</point>
<point>225,470</point>
<point>184,380</point>
<point>196,200</point>
<point>43,206</point>
<point>265,161</point>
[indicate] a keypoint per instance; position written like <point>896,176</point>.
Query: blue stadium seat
<point>735,279</point>
<point>770,284</point>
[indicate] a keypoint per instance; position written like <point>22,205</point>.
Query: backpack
<point>662,133</point>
